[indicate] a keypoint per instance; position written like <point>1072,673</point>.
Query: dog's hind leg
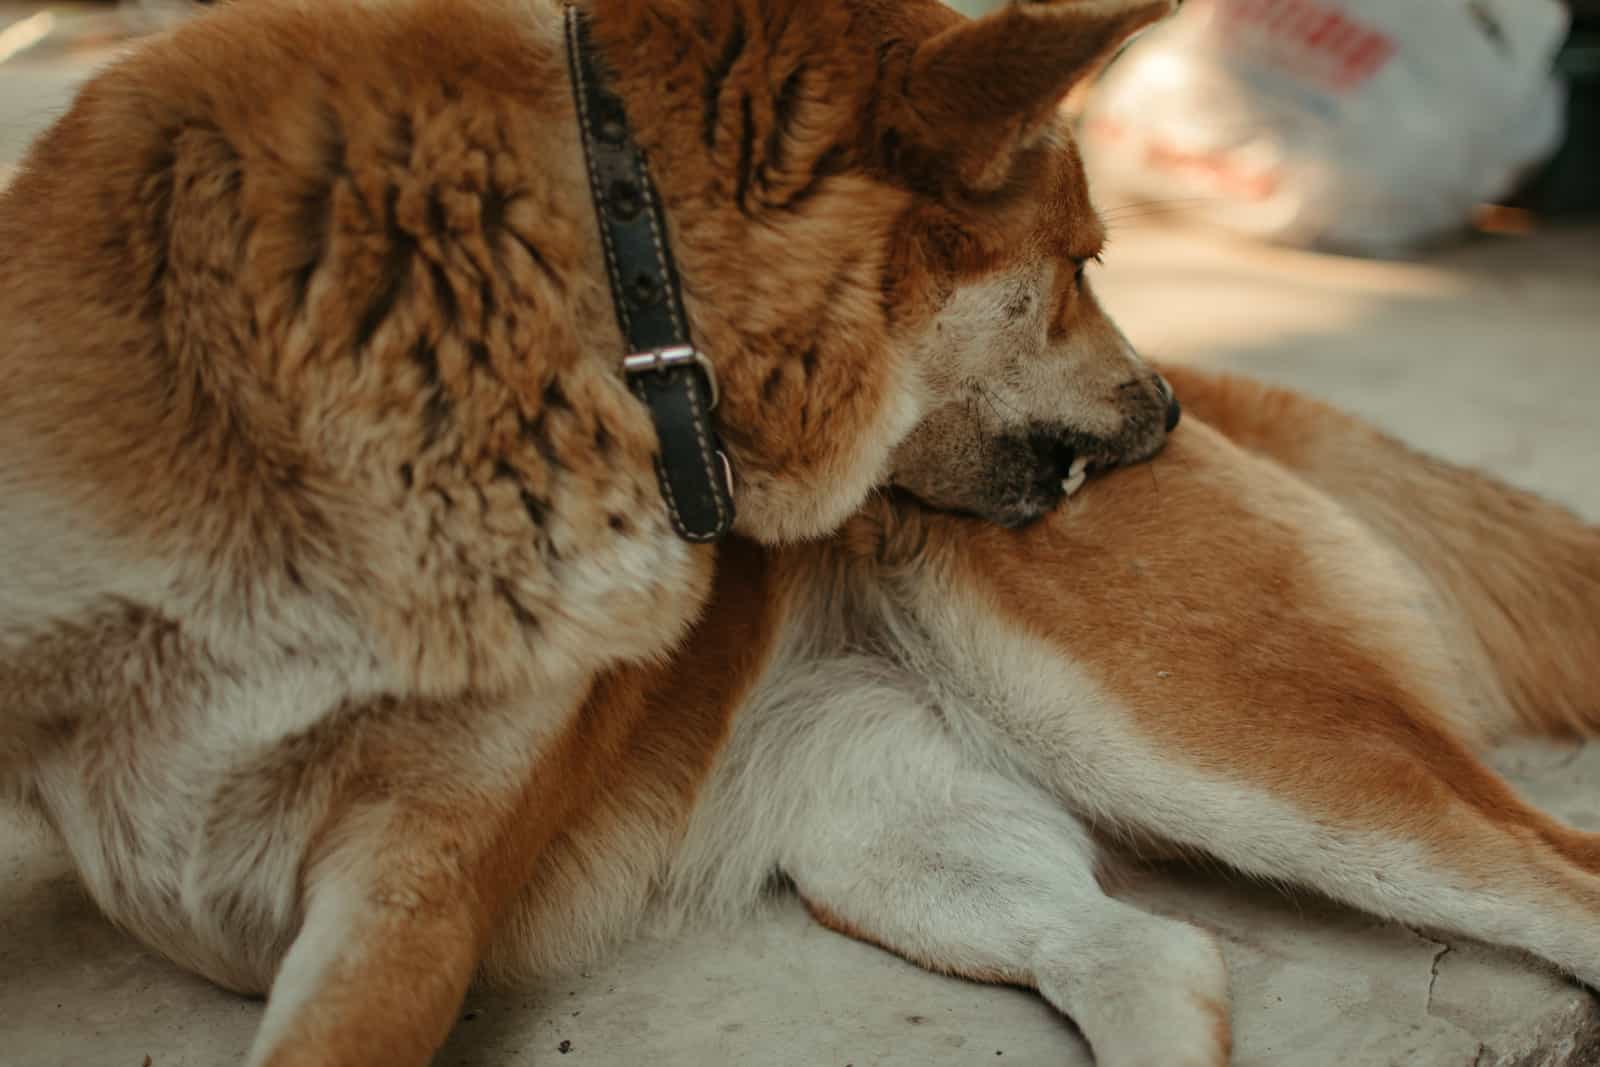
<point>1436,841</point>
<point>1383,809</point>
<point>960,870</point>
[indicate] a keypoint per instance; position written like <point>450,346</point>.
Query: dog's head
<point>1031,382</point>
<point>886,254</point>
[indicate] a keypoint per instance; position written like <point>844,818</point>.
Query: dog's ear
<point>980,92</point>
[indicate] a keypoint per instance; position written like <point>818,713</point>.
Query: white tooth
<point>1077,467</point>
<point>1073,484</point>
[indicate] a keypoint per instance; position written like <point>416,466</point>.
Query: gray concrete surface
<point>1488,353</point>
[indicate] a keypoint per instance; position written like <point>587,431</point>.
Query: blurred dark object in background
<point>1569,185</point>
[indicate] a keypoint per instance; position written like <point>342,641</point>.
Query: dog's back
<point>1518,576</point>
<point>279,293</point>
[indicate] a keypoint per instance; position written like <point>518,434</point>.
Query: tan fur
<point>677,716</point>
<point>1328,636</point>
<point>1530,616</point>
<point>628,767</point>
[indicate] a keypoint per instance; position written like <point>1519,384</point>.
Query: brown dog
<point>1280,651</point>
<point>323,503</point>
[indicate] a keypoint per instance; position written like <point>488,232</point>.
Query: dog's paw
<point>1154,993</point>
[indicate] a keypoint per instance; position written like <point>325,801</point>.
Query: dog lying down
<point>1280,646</point>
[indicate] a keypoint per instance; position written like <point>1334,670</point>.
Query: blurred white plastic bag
<point>1366,126</point>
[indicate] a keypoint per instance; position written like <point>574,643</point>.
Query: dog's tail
<point>1519,574</point>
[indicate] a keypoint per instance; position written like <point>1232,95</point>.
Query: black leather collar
<point>663,368</point>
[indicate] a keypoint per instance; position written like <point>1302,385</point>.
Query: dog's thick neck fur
<point>754,117</point>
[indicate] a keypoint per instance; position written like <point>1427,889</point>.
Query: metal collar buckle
<point>660,360</point>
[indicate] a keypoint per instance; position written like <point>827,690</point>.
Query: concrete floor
<point>1488,354</point>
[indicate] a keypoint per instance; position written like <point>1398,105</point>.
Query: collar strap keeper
<point>670,376</point>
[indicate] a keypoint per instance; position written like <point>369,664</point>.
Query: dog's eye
<point>1079,265</point>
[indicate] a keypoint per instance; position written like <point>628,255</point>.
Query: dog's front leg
<point>433,815</point>
<point>965,872</point>
<point>376,974</point>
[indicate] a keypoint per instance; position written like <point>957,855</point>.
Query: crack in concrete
<point>1570,758</point>
<point>1433,976</point>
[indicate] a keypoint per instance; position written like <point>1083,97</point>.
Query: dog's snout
<point>1051,457</point>
<point>1058,459</point>
<point>1174,409</point>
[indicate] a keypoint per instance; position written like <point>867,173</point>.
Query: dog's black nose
<point>1174,409</point>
